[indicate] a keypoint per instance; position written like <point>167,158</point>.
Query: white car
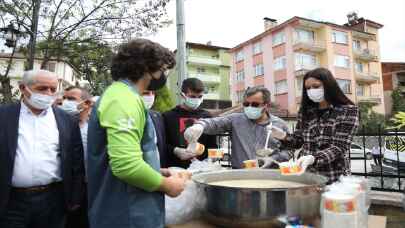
<point>357,151</point>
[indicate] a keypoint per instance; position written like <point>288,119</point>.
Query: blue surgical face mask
<point>253,113</point>
<point>192,103</point>
<point>70,107</point>
<point>40,101</point>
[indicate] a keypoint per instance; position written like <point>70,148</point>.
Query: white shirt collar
<point>26,110</point>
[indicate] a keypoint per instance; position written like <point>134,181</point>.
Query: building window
<point>200,70</point>
<point>345,85</point>
<point>360,90</point>
<point>304,35</point>
<point>239,96</point>
<point>240,76</point>
<point>280,63</point>
<point>281,87</point>
<point>210,89</point>
<point>342,61</point>
<point>339,37</point>
<point>305,61</point>
<point>259,69</point>
<point>356,45</point>
<point>51,67</point>
<point>257,48</point>
<point>359,67</point>
<point>239,56</point>
<point>278,38</point>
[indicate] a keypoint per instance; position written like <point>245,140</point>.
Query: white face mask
<point>40,101</point>
<point>70,107</point>
<point>192,103</point>
<point>148,100</point>
<point>316,95</point>
<point>253,113</point>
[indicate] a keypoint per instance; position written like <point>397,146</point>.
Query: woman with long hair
<point>327,121</point>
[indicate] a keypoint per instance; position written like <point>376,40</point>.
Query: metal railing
<point>388,166</point>
<point>386,175</point>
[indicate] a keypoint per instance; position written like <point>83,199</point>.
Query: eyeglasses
<point>253,104</point>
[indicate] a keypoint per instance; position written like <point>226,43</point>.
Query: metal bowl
<point>259,207</point>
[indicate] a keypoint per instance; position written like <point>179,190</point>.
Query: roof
<point>205,46</point>
<point>22,56</point>
<point>368,22</point>
<point>293,19</point>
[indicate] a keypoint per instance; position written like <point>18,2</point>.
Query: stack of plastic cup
<point>339,210</point>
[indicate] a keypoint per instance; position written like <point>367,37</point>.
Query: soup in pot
<point>258,183</point>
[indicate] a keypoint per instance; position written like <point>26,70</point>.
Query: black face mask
<point>156,84</point>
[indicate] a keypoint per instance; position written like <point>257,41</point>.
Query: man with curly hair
<point>125,184</point>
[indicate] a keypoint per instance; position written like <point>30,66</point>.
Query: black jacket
<point>161,136</point>
<point>71,149</point>
<point>176,122</point>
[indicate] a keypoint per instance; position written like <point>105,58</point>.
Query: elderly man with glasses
<point>249,129</point>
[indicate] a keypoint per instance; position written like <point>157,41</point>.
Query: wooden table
<point>373,222</point>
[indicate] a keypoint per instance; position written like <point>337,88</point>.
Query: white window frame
<point>302,38</point>
<point>342,61</point>
<point>346,82</point>
<point>240,76</point>
<point>281,87</point>
<point>280,63</point>
<point>299,86</point>
<point>239,56</point>
<point>363,90</point>
<point>278,38</point>
<point>305,61</point>
<point>259,69</point>
<point>257,48</point>
<point>340,37</point>
<point>359,67</point>
<point>356,45</point>
<point>201,70</point>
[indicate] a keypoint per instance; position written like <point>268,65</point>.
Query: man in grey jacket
<point>249,129</point>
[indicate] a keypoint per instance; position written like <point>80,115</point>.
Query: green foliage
<point>370,121</point>
<point>399,120</point>
<point>163,100</point>
<point>398,101</point>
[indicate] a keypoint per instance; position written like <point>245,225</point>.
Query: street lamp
<point>11,35</point>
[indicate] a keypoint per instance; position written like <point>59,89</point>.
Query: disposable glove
<point>184,154</point>
<point>193,133</point>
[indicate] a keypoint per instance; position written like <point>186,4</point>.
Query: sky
<point>230,22</point>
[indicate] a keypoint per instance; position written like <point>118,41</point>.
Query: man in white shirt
<point>41,157</point>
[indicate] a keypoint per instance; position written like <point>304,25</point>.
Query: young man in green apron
<point>125,185</point>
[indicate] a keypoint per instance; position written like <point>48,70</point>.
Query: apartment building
<point>67,74</point>
<point>210,64</point>
<point>393,78</point>
<point>279,57</point>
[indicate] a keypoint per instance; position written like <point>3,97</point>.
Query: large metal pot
<point>259,207</point>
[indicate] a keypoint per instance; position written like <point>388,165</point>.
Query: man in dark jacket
<point>180,118</point>
<point>41,157</point>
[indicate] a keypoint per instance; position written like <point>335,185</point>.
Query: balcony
<point>301,70</point>
<point>207,78</point>
<point>366,77</point>
<point>204,61</point>
<point>369,99</point>
<point>211,96</point>
<point>401,88</point>
<point>309,45</point>
<point>363,35</point>
<point>365,54</point>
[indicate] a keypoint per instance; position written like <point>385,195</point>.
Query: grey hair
<point>28,78</point>
<point>250,91</point>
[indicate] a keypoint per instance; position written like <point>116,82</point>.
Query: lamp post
<point>11,35</point>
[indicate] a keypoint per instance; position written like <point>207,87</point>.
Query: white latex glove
<point>193,133</point>
<point>184,154</point>
<point>278,133</point>
<point>267,162</point>
<point>305,161</point>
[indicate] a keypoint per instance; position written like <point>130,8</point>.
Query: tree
<point>398,104</point>
<point>370,121</point>
<point>163,100</point>
<point>399,120</point>
<point>66,22</point>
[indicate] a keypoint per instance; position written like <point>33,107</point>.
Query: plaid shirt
<point>326,137</point>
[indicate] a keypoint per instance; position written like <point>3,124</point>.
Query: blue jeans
<point>35,209</point>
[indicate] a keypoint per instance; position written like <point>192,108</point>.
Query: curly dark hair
<point>139,56</point>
